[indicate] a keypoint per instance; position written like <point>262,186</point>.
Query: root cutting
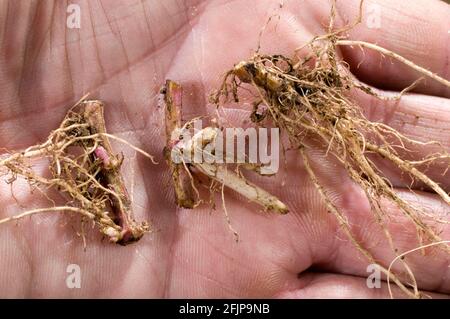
<point>202,142</point>
<point>85,170</point>
<point>308,98</point>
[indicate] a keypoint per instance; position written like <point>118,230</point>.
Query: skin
<point>122,54</point>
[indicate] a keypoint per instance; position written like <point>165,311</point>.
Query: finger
<point>337,286</point>
<point>430,269</point>
<point>418,117</point>
<point>417,30</point>
<point>331,249</point>
<point>273,249</point>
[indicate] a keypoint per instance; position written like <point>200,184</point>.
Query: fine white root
<point>227,216</point>
<point>396,56</point>
<point>57,209</point>
<point>343,223</point>
<point>408,168</point>
<point>121,140</point>
<point>402,256</point>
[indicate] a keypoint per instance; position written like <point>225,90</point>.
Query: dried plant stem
<point>241,186</point>
<point>111,176</point>
<point>89,175</point>
<point>182,180</point>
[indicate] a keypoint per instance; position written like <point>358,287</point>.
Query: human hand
<point>122,54</point>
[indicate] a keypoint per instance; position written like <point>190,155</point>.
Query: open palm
<point>122,54</point>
